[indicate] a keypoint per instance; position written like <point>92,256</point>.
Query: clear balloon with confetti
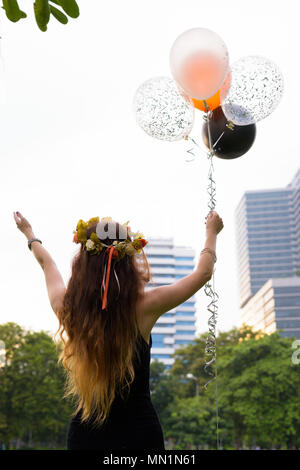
<point>255,91</point>
<point>162,110</point>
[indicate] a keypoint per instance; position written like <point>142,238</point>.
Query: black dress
<point>132,423</point>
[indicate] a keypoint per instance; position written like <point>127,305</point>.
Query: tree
<point>191,359</point>
<point>259,391</point>
<point>43,11</point>
<point>31,407</point>
<point>163,388</point>
<point>191,423</point>
<point>12,336</point>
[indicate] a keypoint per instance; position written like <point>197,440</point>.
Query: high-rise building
<point>175,328</point>
<point>276,306</point>
<point>268,248</point>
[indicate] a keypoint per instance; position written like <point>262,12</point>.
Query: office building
<point>276,306</point>
<point>175,328</point>
<point>268,249</point>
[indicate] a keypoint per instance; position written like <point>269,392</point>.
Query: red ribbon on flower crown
<point>112,253</point>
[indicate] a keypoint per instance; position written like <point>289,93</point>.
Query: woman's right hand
<point>214,223</point>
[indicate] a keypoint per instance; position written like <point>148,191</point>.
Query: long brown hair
<point>100,346</point>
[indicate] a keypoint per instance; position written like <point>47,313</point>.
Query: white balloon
<point>256,90</point>
<point>162,111</point>
<point>199,62</point>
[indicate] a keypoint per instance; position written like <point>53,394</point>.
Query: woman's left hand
<point>23,225</point>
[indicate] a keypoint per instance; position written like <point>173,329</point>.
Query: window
<point>268,215</point>
<point>287,290</point>
<point>287,313</point>
<point>183,341</point>
<point>288,323</point>
<point>188,268</point>
<point>268,195</point>
<point>275,224</point>
<point>266,276</point>
<point>271,241</point>
<point>157,336</point>
<point>269,237</point>
<point>270,269</point>
<point>287,301</point>
<point>150,255</point>
<point>183,314</point>
<point>275,254</point>
<point>274,249</point>
<point>272,207</point>
<point>288,334</point>
<point>161,356</point>
<point>258,262</point>
<point>154,265</point>
<point>156,344</point>
<point>184,332</point>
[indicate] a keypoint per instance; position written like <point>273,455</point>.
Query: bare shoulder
<point>145,318</point>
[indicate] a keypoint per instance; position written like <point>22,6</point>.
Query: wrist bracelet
<point>211,252</point>
<point>33,240</point>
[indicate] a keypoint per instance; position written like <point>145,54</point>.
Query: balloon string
<point>193,150</point>
<point>218,139</point>
<point>211,347</point>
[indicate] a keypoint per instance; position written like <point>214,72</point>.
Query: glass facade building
<point>268,245</point>
<point>175,328</point>
<point>276,306</point>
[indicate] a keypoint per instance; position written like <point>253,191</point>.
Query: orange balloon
<point>214,101</point>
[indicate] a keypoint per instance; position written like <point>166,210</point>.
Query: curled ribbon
<point>210,348</point>
<point>106,277</point>
<point>105,281</point>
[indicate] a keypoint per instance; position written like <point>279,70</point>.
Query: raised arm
<point>54,281</point>
<point>160,300</point>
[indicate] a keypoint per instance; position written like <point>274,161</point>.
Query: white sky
<point>71,149</point>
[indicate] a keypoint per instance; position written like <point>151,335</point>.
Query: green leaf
<point>42,13</point>
<point>59,15</point>
<point>70,7</point>
<point>12,10</point>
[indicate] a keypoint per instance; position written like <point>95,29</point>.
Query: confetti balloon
<point>162,111</point>
<point>255,91</point>
<point>199,62</point>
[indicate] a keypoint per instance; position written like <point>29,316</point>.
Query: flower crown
<point>94,245</point>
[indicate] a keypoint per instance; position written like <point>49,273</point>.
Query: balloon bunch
<point>233,97</point>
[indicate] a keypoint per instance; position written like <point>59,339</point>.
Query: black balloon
<point>228,141</point>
